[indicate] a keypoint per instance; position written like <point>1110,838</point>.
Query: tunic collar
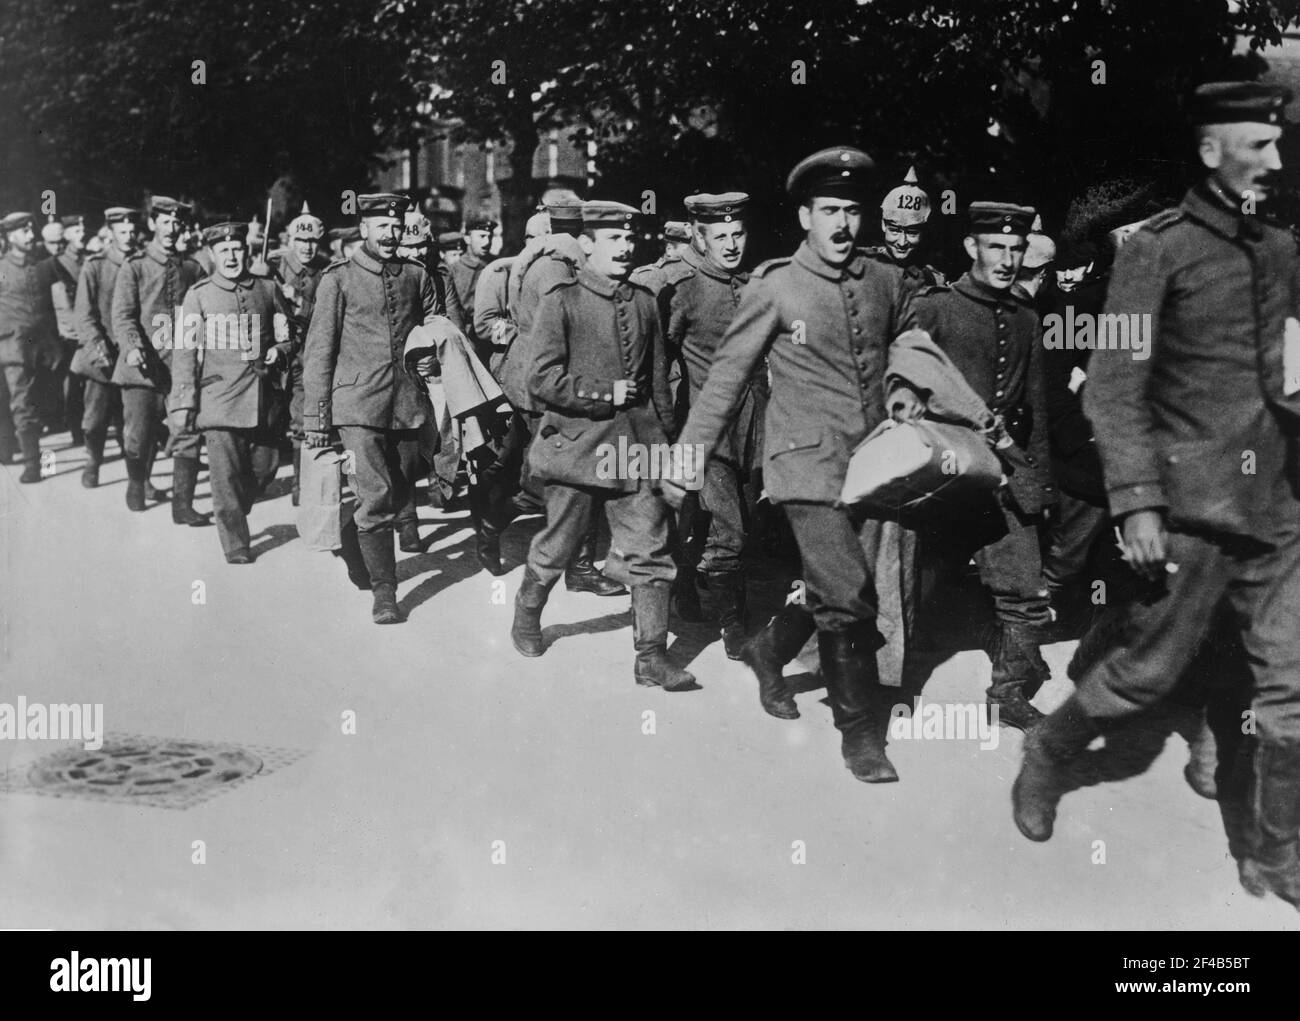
<point>710,270</point>
<point>984,294</point>
<point>244,283</point>
<point>1210,208</point>
<point>472,261</point>
<point>19,258</point>
<point>160,255</point>
<point>814,263</point>
<point>599,283</point>
<point>368,262</point>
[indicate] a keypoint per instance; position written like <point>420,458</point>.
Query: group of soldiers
<point>776,373</point>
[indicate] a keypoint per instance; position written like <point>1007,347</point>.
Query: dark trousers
<point>1166,628</point>
<point>1074,529</point>
<point>241,464</point>
<point>638,527</point>
<point>839,551</point>
<point>103,407</point>
<point>384,465</point>
<point>1006,550</point>
<point>722,503</point>
<point>143,413</point>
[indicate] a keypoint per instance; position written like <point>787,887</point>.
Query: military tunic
<point>97,354</point>
<point>542,264</point>
<point>28,335</point>
<point>916,275</point>
<point>1204,430</point>
<point>493,325</point>
<point>298,281</point>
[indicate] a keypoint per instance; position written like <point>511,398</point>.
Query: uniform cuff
<point>1136,497</point>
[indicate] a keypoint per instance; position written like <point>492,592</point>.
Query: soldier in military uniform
<point>700,294</point>
<point>995,340</point>
<point>1198,445</point>
<point>467,269</point>
<point>825,319</point>
<point>599,372</point>
<point>97,354</point>
<point>903,215</point>
<point>355,380</point>
<point>28,334</point>
<point>298,271</point>
<point>69,264</point>
<point>229,389</point>
<point>547,261</point>
<point>149,288</point>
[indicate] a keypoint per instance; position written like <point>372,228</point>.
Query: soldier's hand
<point>624,391</point>
<point>905,405</point>
<point>1145,542</point>
<point>272,355</point>
<point>183,420</point>
<point>135,358</point>
<point>315,438</point>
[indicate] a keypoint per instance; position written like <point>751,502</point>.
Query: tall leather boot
<point>185,475</point>
<point>135,475</point>
<point>858,703</point>
<point>151,492</point>
<point>381,565</point>
<point>686,596</point>
<point>1203,760</point>
<point>581,574</point>
<point>729,595</point>
<point>1273,861</point>
<point>487,538</point>
<point>526,631</point>
<point>1018,672</point>
<point>350,554</point>
<point>30,441</point>
<point>295,494</point>
<point>650,639</point>
<point>770,650</point>
<point>94,458</point>
<point>1044,773</point>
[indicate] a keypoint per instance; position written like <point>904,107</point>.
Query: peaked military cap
<point>15,221</point>
<point>163,204</point>
<point>907,205</point>
<point>1001,218</point>
<point>345,234</point>
<point>449,240</point>
<point>73,221</point>
<point>231,230</point>
<point>608,214</point>
<point>118,214</point>
<point>565,212</point>
<point>383,204</point>
<point>480,223</point>
<point>707,208</point>
<point>677,230</point>
<point>1236,102</point>
<point>840,172</point>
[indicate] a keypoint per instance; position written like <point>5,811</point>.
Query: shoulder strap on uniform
<point>764,268</point>
<point>1164,219</point>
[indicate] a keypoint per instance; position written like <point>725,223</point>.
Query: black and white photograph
<point>673,465</point>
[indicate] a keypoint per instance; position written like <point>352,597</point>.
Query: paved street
<point>460,743</point>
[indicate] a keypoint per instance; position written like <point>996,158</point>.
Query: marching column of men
<point>1187,443</point>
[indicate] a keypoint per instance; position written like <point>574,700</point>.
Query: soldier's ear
<point>1210,149</point>
<point>586,244</point>
<point>805,217</point>
<point>972,247</point>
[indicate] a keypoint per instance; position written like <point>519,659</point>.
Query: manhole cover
<point>161,772</point>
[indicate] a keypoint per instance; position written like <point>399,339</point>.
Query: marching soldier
<point>549,260</point>
<point>298,271</point>
<point>355,380</point>
<point>700,295</point>
<point>66,268</point>
<point>229,389</point>
<point>98,352</point>
<point>450,244</point>
<point>466,270</point>
<point>1217,391</point>
<point>598,370</point>
<point>995,340</point>
<point>28,334</point>
<point>149,289</point>
<point>824,319</point>
<point>903,215</point>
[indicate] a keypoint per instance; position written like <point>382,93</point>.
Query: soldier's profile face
<point>381,235</point>
<point>900,242</point>
<point>1244,158</point>
<point>230,257</point>
<point>995,258</point>
<point>124,234</point>
<point>478,242</point>
<point>305,248</point>
<point>832,225</point>
<point>75,236</point>
<point>723,243</point>
<point>608,250</point>
<point>52,237</point>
